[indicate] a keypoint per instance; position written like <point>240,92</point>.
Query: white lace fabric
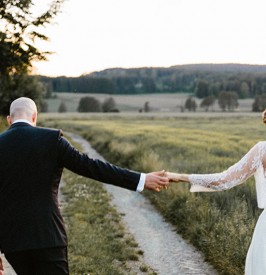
<point>250,164</point>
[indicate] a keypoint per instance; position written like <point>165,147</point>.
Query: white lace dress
<point>253,163</point>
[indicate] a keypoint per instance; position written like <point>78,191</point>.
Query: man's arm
<point>82,164</point>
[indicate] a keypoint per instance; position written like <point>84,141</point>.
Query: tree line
<point>202,81</point>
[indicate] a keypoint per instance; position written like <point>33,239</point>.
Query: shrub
<point>89,104</point>
<point>62,107</point>
<point>109,105</point>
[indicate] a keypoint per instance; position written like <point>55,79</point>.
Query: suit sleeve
<point>82,164</point>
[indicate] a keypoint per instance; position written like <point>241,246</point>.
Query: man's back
<point>29,179</point>
<point>32,233</point>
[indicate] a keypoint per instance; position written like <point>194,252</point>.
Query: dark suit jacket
<point>31,163</point>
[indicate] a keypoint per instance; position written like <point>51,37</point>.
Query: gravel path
<point>164,250</point>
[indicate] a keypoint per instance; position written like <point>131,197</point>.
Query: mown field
<point>133,103</point>
<point>219,224</point>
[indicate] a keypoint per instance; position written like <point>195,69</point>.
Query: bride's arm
<point>233,176</point>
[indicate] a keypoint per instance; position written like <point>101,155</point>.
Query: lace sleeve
<point>234,175</point>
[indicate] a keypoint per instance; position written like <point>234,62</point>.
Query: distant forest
<point>203,80</point>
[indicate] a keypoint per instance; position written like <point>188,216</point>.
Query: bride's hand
<point>173,177</point>
<point>176,177</point>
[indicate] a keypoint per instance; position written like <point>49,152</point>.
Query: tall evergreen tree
<point>202,89</point>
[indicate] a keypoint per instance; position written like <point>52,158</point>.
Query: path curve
<point>164,250</point>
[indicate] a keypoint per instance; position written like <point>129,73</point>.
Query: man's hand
<point>156,181</point>
<point>1,267</point>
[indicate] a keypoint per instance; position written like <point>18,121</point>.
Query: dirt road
<point>164,250</point>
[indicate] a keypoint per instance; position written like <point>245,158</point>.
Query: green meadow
<point>219,224</point>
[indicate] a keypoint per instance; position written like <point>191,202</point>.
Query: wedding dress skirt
<point>253,163</point>
<point>256,257</point>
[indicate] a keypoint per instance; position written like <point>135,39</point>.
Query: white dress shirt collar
<point>22,120</point>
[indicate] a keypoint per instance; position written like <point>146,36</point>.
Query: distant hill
<point>223,68</point>
<point>229,67</point>
<point>246,80</point>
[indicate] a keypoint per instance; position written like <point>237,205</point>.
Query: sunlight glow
<point>94,35</point>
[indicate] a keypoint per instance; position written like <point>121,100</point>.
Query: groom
<point>32,231</point>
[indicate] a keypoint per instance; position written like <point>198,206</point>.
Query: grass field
<point>219,224</point>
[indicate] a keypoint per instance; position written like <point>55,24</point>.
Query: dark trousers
<point>51,261</point>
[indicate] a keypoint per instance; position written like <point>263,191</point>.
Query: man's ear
<point>34,118</point>
<point>9,120</point>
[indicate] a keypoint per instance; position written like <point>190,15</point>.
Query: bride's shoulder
<point>261,144</point>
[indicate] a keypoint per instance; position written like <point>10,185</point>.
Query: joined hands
<point>157,181</point>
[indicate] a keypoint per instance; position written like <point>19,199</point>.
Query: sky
<point>93,35</point>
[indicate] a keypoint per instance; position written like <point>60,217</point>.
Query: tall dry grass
<point>219,224</point>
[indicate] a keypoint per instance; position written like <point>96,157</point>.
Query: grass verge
<point>98,241</point>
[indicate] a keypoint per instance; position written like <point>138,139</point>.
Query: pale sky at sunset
<point>92,35</point>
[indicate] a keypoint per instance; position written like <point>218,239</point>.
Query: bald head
<point>23,108</point>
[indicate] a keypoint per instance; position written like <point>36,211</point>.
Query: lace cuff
<point>250,164</point>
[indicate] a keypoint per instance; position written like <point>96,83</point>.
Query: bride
<point>253,163</point>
